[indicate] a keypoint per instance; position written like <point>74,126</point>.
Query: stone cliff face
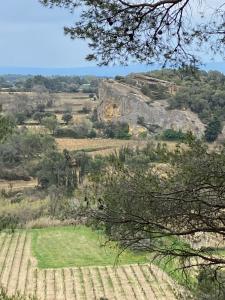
<point>120,102</point>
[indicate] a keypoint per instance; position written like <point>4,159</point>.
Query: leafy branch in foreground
<point>165,31</point>
<point>176,212</point>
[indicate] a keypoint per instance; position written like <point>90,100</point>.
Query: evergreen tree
<point>212,130</point>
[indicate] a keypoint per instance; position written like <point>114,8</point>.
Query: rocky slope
<point>121,102</point>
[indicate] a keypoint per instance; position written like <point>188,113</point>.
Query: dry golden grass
<point>17,185</point>
<point>103,146</point>
<point>97,145</point>
<point>73,101</point>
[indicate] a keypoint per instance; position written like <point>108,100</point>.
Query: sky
<point>32,35</point>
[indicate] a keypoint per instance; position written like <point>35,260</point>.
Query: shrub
<point>6,127</point>
<point>141,121</point>
<point>143,135</point>
<point>44,222</point>
<point>50,123</point>
<point>212,130</point>
<point>66,133</point>
<point>85,110</point>
<point>67,117</point>
<point>92,134</point>
<point>211,284</point>
<point>20,118</point>
<point>14,214</point>
<point>118,130</point>
<point>24,147</point>
<point>173,135</point>
<point>8,221</point>
<point>14,174</point>
<point>75,132</point>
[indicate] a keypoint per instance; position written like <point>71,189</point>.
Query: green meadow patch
<point>59,247</point>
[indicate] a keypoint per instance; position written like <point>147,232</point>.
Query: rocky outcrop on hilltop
<point>121,102</point>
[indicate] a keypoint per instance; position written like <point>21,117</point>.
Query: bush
<point>85,110</point>
<point>116,130</point>
<point>82,129</point>
<point>19,213</point>
<point>212,130</point>
<point>8,221</point>
<point>24,147</point>
<point>67,117</point>
<point>155,91</point>
<point>173,135</point>
<point>50,123</point>
<point>92,134</point>
<point>66,133</point>
<point>143,135</point>
<point>57,169</point>
<point>20,118</point>
<point>44,222</point>
<point>14,174</point>
<point>6,127</point>
<point>211,284</point>
<point>141,121</point>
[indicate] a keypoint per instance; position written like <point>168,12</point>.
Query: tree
<point>50,123</point>
<point>173,135</point>
<point>6,127</point>
<point>212,130</point>
<point>21,147</point>
<point>167,211</point>
<point>22,104</point>
<point>58,169</point>
<point>118,130</point>
<point>149,30</point>
<point>20,118</point>
<point>211,284</point>
<point>38,116</point>
<point>67,117</point>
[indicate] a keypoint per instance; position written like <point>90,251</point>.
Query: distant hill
<point>97,71</point>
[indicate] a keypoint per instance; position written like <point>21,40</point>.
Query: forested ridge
<point>202,92</point>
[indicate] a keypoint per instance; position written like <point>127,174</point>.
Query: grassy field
<point>72,101</point>
<point>76,247</point>
<point>17,185</point>
<point>97,146</point>
<point>19,269</point>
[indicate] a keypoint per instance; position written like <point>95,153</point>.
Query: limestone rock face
<point>120,102</point>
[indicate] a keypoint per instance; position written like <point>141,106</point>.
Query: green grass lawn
<point>78,246</point>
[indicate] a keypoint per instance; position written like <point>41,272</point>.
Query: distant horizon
<point>105,71</point>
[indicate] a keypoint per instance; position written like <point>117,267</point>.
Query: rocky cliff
<point>120,102</point>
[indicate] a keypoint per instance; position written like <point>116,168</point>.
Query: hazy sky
<point>32,36</point>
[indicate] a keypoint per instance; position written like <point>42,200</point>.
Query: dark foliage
<point>144,205</point>
<point>213,129</point>
<point>173,135</point>
<point>116,130</point>
<point>6,127</point>
<point>148,31</point>
<point>201,92</point>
